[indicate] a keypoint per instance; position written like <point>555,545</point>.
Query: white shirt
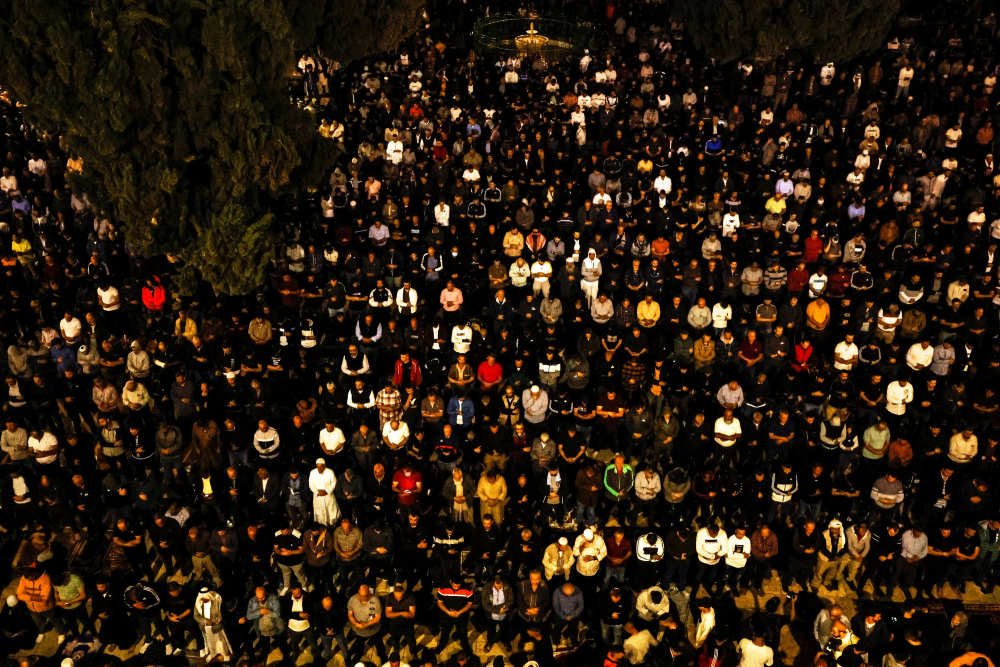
<point>394,151</point>
<point>519,274</point>
<point>952,137</point>
<point>817,283</point>
<point>752,655</point>
<point>441,214</point>
<point>918,355</point>
<point>662,183</point>
<point>889,318</point>
<point>844,350</point>
<point>960,450</point>
<point>332,441</point>
<point>461,339</point>
<point>47,443</point>
<point>396,436</point>
<point>647,489</point>
<point>730,223</point>
<point>897,397</point>
<point>738,551</point>
<point>721,316</point>
<point>108,296</point>
<point>732,428</point>
<point>541,267</point>
<point>71,329</point>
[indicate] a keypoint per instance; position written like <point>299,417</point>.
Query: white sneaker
<point>282,592</point>
<point>203,652</point>
<point>170,649</point>
<point>143,647</point>
<point>39,638</point>
<point>60,639</point>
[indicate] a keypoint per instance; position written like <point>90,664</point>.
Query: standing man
<point>289,552</point>
<point>454,603</point>
<point>364,611</point>
<point>322,483</point>
<point>35,591</point>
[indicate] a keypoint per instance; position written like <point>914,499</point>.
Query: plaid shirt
<point>633,373</point>
<point>625,315</point>
<point>388,403</point>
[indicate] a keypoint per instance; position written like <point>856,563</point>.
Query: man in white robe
<point>208,615</point>
<point>322,482</point>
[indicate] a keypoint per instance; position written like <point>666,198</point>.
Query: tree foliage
<point>762,30</point>
<point>346,30</point>
<point>180,111</point>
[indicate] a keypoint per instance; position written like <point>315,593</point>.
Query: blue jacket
<point>64,357</point>
<point>468,412</point>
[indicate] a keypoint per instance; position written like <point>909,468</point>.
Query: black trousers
<point>498,631</point>
<point>461,624</point>
<point>400,630</point>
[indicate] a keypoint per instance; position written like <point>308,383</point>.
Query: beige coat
<point>487,492</point>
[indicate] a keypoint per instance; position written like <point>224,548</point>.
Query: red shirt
<point>617,550</point>
<point>813,249</point>
<point>404,483</point>
<point>751,350</point>
<point>797,280</point>
<point>489,373</point>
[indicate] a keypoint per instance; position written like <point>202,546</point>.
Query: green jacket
<point>618,484</point>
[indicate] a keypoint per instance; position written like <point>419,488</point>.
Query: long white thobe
<point>325,508</point>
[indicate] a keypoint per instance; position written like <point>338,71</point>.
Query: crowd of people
<point>567,359</point>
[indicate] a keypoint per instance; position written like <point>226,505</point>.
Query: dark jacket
<point>533,599</point>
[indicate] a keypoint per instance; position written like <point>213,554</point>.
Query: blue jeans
<point>170,466</point>
<point>237,459</point>
<point>611,634</point>
<point>616,573</point>
<point>732,575</point>
<point>327,642</point>
<point>704,574</point>
<point>587,514</point>
<point>806,505</point>
<point>679,568</point>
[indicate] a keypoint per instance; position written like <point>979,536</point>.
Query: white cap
<point>588,534</point>
<point>535,389</point>
<point>562,540</point>
<point>320,460</point>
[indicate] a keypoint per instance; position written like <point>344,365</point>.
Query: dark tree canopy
<point>829,30</point>
<point>346,30</point>
<point>180,111</point>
